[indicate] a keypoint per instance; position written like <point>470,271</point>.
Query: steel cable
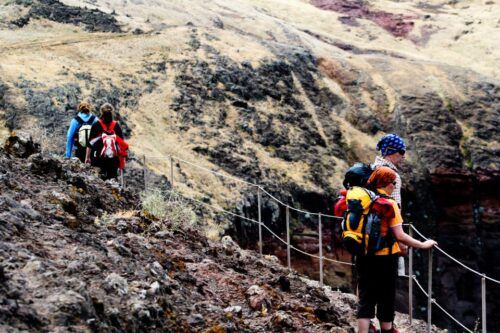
<point>296,209</point>
<point>265,226</point>
<point>439,306</point>
<point>453,259</point>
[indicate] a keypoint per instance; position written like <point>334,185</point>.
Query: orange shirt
<point>390,223</point>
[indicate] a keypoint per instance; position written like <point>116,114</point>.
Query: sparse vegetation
<point>168,207</point>
<point>104,220</point>
<point>39,134</point>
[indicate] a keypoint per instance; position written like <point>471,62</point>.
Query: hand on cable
<point>428,244</point>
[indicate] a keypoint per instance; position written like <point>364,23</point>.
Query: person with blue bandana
<point>392,154</point>
<point>392,150</point>
<point>79,131</point>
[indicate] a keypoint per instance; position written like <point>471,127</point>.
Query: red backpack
<point>108,137</point>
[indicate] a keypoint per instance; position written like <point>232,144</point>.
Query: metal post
<point>483,301</point>
<point>410,279</point>
<point>144,171</point>
<point>429,294</point>
<point>289,260</point>
<point>260,219</point>
<point>122,181</point>
<point>320,251</point>
<point>171,171</point>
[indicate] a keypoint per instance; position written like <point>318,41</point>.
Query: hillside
<point>283,93</point>
<point>78,256</point>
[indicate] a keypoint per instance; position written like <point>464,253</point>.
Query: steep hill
<point>283,93</point>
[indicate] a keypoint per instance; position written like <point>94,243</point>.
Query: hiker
<point>107,147</point>
<point>79,131</point>
<point>392,150</point>
<point>378,272</point>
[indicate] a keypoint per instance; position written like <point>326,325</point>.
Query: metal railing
<point>411,277</point>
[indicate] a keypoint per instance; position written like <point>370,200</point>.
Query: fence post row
<point>410,279</point>
<point>320,251</point>
<point>260,218</point>
<point>289,259</point>
<point>429,294</point>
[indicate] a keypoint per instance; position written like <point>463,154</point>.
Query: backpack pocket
<point>352,242</point>
<point>374,239</point>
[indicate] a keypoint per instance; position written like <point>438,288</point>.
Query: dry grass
<point>39,135</point>
<point>171,210</point>
<point>168,206</point>
<point>105,220</point>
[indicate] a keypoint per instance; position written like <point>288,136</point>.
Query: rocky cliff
<point>284,93</point>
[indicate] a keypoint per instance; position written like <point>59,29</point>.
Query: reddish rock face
<point>459,201</point>
<point>398,25</point>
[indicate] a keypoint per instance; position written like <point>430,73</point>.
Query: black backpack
<point>357,175</point>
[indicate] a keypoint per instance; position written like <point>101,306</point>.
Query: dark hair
<point>107,112</point>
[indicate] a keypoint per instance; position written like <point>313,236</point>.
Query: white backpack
<point>82,136</point>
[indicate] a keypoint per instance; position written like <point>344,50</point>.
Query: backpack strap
<point>106,128</point>
<point>91,119</point>
<point>79,120</point>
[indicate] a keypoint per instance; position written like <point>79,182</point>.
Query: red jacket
<point>122,152</point>
<point>341,205</point>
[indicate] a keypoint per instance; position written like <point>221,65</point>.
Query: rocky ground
<point>78,255</point>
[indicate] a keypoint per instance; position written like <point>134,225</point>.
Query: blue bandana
<point>391,144</point>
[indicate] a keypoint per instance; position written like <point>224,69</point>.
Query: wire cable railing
<point>296,209</point>
<point>265,227</point>
<point>439,306</point>
<point>320,257</point>
<point>455,260</point>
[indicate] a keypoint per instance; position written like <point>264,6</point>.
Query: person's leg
<point>106,168</point>
<point>112,172</point>
<point>114,163</point>
<point>80,153</point>
<point>363,325</point>
<point>109,168</point>
<point>387,291</point>
<point>386,327</point>
<point>367,293</point>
